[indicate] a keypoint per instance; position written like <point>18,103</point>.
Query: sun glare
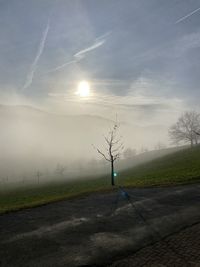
<point>83,89</point>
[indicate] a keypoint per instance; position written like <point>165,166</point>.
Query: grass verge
<point>182,167</point>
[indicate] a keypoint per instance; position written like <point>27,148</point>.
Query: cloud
<point>188,42</point>
<point>141,96</point>
<point>30,76</point>
<point>187,16</point>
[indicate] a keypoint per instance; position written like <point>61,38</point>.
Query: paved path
<point>96,230</point>
<point>181,250</point>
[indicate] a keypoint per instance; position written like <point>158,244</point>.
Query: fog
<point>139,60</point>
<point>39,145</point>
<point>33,140</point>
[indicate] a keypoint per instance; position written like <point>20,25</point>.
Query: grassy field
<point>177,168</point>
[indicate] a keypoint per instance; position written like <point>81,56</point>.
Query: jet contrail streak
<point>33,68</point>
<point>187,16</point>
<point>61,66</point>
<point>79,55</point>
<point>94,46</point>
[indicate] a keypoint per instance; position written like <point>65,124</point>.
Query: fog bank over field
<point>33,140</point>
<point>70,69</point>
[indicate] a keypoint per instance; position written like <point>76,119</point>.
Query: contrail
<point>99,41</point>
<point>187,16</point>
<point>103,36</point>
<point>29,78</point>
<point>81,53</point>
<point>78,56</point>
<point>61,66</point>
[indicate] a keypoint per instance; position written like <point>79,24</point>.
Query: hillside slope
<point>180,167</point>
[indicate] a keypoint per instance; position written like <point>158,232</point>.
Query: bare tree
<point>114,147</point>
<point>129,153</point>
<point>186,128</point>
<point>197,136</point>
<point>60,169</point>
<point>38,175</point>
<point>159,146</point>
<point>144,149</point>
<point>197,133</point>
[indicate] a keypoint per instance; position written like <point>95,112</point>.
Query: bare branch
<point>187,128</point>
<point>113,149</point>
<point>99,151</point>
<point>107,141</point>
<point>103,155</point>
<point>117,156</point>
<point>118,148</point>
<point>196,133</point>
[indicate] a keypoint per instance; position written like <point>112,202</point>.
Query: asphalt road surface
<point>96,230</point>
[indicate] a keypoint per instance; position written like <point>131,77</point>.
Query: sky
<point>141,57</point>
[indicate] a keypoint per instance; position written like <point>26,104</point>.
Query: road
<point>96,230</point>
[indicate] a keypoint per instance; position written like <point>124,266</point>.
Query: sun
<point>83,89</point>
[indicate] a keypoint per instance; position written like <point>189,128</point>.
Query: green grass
<point>31,196</point>
<point>177,168</point>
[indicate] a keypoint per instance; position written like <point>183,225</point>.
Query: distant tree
<point>197,136</point>
<point>197,133</point>
<point>60,169</point>
<point>159,146</point>
<point>38,175</point>
<point>186,128</point>
<point>24,179</point>
<point>114,147</point>
<point>129,153</point>
<point>4,179</point>
<point>144,149</point>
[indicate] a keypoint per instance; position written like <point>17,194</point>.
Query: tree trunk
<point>191,142</point>
<point>196,140</point>
<point>112,172</point>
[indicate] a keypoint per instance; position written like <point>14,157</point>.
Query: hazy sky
<point>140,56</point>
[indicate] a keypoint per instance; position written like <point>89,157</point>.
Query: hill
<point>147,156</point>
<point>180,167</point>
